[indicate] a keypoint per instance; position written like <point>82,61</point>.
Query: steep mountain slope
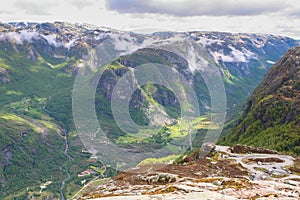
<point>37,141</point>
<point>38,65</point>
<point>272,115</point>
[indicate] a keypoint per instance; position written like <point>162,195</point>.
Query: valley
<point>43,155</point>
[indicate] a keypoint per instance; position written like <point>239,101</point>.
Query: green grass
<point>165,160</point>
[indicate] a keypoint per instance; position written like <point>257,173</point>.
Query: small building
<point>86,173</point>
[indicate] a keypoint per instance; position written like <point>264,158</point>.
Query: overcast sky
<point>280,17</point>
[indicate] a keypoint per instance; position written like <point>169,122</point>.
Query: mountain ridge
<point>272,113</point>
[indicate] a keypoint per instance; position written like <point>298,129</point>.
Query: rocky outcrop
<point>3,76</point>
<point>199,180</point>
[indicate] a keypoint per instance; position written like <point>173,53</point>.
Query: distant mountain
<point>38,65</point>
<point>272,114</point>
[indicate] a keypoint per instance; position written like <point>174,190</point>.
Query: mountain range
<point>38,66</point>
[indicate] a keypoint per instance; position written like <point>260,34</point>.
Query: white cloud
<point>19,38</point>
<point>27,36</point>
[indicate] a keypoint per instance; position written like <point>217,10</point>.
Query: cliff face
<point>272,115</point>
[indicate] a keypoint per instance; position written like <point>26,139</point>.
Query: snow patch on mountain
<point>208,42</point>
<point>235,55</point>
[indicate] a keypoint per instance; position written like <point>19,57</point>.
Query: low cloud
<point>198,7</point>
<point>27,36</point>
<point>18,38</point>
